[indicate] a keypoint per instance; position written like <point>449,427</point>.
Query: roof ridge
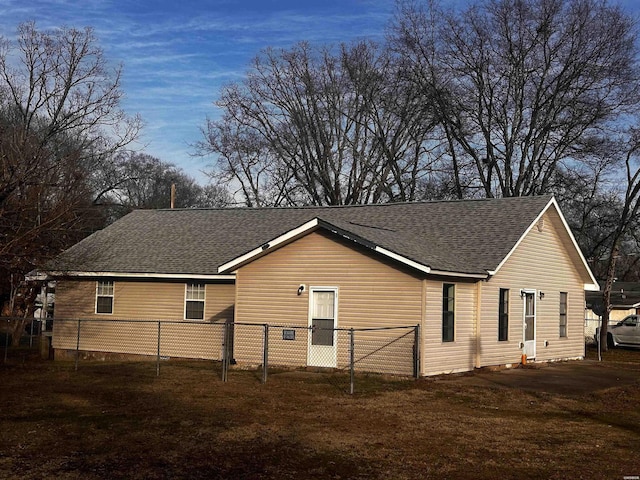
<point>344,207</point>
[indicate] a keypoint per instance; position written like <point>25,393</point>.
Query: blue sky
<point>177,54</point>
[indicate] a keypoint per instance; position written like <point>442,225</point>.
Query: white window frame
<point>507,313</point>
<point>455,296</point>
<point>203,299</point>
<point>100,284</point>
<point>566,315</point>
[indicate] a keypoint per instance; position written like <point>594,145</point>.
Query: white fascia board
<point>256,252</point>
<point>594,283</point>
<point>167,276</point>
<point>37,276</point>
<point>526,232</point>
<point>587,286</point>
<point>401,259</point>
<point>424,268</point>
<point>481,276</point>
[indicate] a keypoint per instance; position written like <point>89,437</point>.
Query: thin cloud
<point>177,56</point>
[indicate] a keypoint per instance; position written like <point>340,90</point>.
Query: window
<point>563,314</point>
<point>194,302</point>
<point>104,296</point>
<point>503,315</point>
<point>448,318</point>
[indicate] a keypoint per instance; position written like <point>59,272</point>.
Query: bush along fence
<point>233,346</point>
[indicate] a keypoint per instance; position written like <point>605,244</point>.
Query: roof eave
<point>425,268</point>
<point>138,275</point>
<point>316,223</point>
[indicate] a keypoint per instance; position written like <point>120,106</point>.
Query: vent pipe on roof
<point>173,195</point>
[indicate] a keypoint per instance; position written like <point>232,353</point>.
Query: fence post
<point>78,345</point>
<point>225,352</point>
<point>265,353</point>
<point>352,362</point>
<point>158,357</point>
<point>6,340</point>
<point>416,352</point>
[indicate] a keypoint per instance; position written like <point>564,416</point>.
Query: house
<point>487,281</point>
<point>625,300</point>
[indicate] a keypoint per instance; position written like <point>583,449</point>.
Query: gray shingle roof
<point>471,236</point>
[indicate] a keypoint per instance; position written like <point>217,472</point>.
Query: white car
<point>624,333</point>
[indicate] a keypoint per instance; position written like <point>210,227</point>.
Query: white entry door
<point>529,325</point>
<point>323,320</point>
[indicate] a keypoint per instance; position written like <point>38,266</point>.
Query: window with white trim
<point>104,296</point>
<point>563,314</point>
<point>194,301</point>
<point>448,312</point>
<point>503,315</point>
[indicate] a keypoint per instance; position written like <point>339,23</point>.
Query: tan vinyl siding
<point>371,293</point>
<point>459,355</point>
<point>541,263</point>
<point>135,302</point>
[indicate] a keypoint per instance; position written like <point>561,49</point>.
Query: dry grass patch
<point>121,421</point>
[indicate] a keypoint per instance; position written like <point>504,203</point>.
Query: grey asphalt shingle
<point>471,236</point>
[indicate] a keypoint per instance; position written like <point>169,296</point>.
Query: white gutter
<point>166,276</point>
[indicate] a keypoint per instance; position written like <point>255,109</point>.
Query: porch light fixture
<point>301,289</point>
<point>541,295</point>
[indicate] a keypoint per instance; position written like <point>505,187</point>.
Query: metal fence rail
<point>232,345</point>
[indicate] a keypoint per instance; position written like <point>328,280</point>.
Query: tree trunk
<point>606,295</point>
<point>18,329</point>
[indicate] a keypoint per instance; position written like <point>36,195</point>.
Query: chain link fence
<point>28,332</point>
<point>264,348</point>
<point>590,326</point>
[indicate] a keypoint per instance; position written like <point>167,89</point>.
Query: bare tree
<point>522,89</point>
<point>321,126</point>
<point>137,180</point>
<point>59,119</point>
<point>628,218</point>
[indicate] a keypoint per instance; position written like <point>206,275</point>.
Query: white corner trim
<point>302,229</point>
<point>591,287</point>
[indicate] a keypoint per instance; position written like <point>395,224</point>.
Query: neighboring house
<point>625,300</point>
<point>488,281</point>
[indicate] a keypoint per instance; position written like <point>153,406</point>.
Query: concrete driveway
<point>565,378</point>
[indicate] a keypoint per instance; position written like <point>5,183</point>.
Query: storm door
<point>529,325</point>
<point>323,321</point>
